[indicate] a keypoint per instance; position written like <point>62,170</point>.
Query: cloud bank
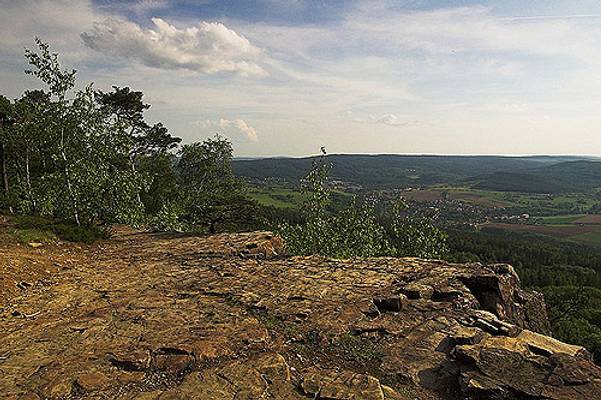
<point>208,47</point>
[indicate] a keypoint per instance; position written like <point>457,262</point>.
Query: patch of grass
<point>592,238</point>
<point>80,234</point>
<point>33,235</point>
<point>360,349</point>
<point>277,197</point>
<point>31,228</point>
<point>560,219</point>
<point>275,323</point>
<point>280,197</point>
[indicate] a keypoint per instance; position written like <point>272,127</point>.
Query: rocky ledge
<point>147,316</point>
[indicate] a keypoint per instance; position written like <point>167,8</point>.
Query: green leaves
<point>47,68</point>
<point>62,156</point>
<point>414,235</point>
<point>355,231</point>
<point>211,194</point>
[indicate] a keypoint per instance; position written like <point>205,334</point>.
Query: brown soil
<point>589,220</point>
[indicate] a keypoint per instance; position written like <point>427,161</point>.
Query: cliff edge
<point>157,316</point>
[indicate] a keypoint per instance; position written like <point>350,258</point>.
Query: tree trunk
<point>132,160</point>
<point>28,180</point>
<point>4,167</point>
<point>68,179</point>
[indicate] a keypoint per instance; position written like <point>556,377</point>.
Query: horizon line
<point>428,154</point>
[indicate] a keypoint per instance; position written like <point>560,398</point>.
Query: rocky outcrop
<point>147,316</point>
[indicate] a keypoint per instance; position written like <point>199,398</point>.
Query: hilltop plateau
<point>157,316</point>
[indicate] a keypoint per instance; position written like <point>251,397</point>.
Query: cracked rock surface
<point>149,316</point>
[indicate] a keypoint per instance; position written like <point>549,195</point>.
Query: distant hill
<point>570,176</point>
<point>386,171</point>
<point>522,182</point>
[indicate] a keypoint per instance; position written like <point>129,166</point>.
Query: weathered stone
<point>153,316</point>
<point>417,291</point>
<point>58,389</point>
<point>91,381</point>
<point>267,376</point>
<point>29,396</point>
<point>343,385</point>
<point>390,303</point>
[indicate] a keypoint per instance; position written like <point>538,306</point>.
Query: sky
<point>285,77</point>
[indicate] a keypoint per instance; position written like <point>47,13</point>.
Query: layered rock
<point>229,317</point>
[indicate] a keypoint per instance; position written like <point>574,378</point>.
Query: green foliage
<point>414,236</point>
<point>62,158</point>
<point>360,349</point>
<point>211,195</point>
<point>354,231</point>
<point>84,156</point>
<point>350,232</point>
<point>167,219</point>
<point>81,234</point>
<point>575,314</point>
<point>89,157</point>
<point>525,250</point>
<point>38,229</point>
<point>163,189</point>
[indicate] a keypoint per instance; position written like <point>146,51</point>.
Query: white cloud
<point>476,29</point>
<point>241,125</point>
<point>208,47</point>
<point>57,21</point>
<point>389,119</point>
<point>231,126</point>
<point>385,119</point>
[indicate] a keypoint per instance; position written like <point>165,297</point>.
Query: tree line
<point>90,157</point>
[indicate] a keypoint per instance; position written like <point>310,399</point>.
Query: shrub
<point>33,228</point>
<point>81,234</point>
<point>354,230</point>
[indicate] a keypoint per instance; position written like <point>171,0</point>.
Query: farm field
<point>276,197</point>
<point>561,219</point>
<point>535,204</point>
<point>590,233</point>
<point>588,220</point>
<point>478,197</point>
<point>279,197</point>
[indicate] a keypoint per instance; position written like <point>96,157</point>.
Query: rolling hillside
<point>563,177</point>
<point>537,174</point>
